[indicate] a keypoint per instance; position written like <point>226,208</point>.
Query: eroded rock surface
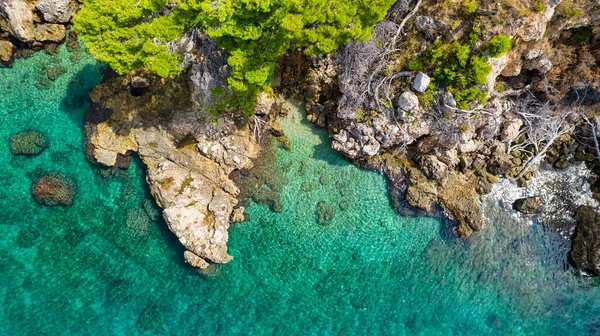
<point>585,253</point>
<point>188,156</point>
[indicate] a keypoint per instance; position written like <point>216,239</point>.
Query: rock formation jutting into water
<point>446,99</point>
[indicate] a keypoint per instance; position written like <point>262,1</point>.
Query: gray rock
<point>57,11</point>
<point>449,99</point>
<point>408,102</point>
<point>425,25</point>
<point>421,82</point>
<point>19,17</point>
<point>542,65</point>
<point>210,75</point>
<point>530,205</point>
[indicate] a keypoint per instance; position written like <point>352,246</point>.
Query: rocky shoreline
<point>435,151</point>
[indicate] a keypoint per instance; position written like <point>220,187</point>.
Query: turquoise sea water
<point>87,269</point>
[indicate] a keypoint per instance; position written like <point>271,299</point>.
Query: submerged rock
<point>54,189</point>
<point>585,253</point>
<point>151,318</point>
<point>138,222</point>
<point>29,143</point>
<point>530,205</point>
<point>325,212</point>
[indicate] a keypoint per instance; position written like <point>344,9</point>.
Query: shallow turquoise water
<point>83,270</point>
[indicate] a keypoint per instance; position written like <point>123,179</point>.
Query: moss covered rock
<point>54,189</point>
<point>28,143</point>
<point>325,212</point>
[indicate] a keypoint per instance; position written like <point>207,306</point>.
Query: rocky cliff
<point>541,99</point>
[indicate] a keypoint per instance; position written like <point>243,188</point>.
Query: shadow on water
<point>77,99</point>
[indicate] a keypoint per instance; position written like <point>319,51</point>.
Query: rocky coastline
<point>435,153</point>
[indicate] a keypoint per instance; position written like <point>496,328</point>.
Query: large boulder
<point>530,205</point>
<point>585,252</point>
<point>19,17</point>
<point>28,143</point>
<point>53,189</point>
<point>50,33</point>
<point>57,11</point>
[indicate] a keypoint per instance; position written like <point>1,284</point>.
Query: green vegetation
<point>366,116</point>
<point>539,6</point>
<point>581,35</point>
<point>459,69</point>
<point>124,34</point>
<point>469,7</point>
<point>498,45</point>
<point>131,34</point>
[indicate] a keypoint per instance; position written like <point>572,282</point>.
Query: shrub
<point>469,7</point>
<point>539,6</point>
<point>581,35</point>
<point>498,45</point>
<point>463,97</point>
<point>130,34</point>
<point>459,69</point>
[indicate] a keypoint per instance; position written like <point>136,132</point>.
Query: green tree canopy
<point>130,34</point>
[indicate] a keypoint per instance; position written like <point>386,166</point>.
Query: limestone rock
<point>510,129</point>
<point>188,157</point>
<point>421,195</point>
<point>194,260</point>
<point>57,11</point>
<point>6,51</point>
<point>50,32</point>
<point>53,189</point>
<point>28,143</point>
<point>264,104</point>
<point>372,148</point>
<point>421,82</point>
<point>434,168</point>
<point>19,17</point>
<point>408,102</point>
<point>529,205</point>
<point>585,252</point>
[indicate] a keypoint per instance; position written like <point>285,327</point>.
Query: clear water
<point>82,270</point>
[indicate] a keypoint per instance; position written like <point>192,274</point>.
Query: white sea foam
<point>562,190</point>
